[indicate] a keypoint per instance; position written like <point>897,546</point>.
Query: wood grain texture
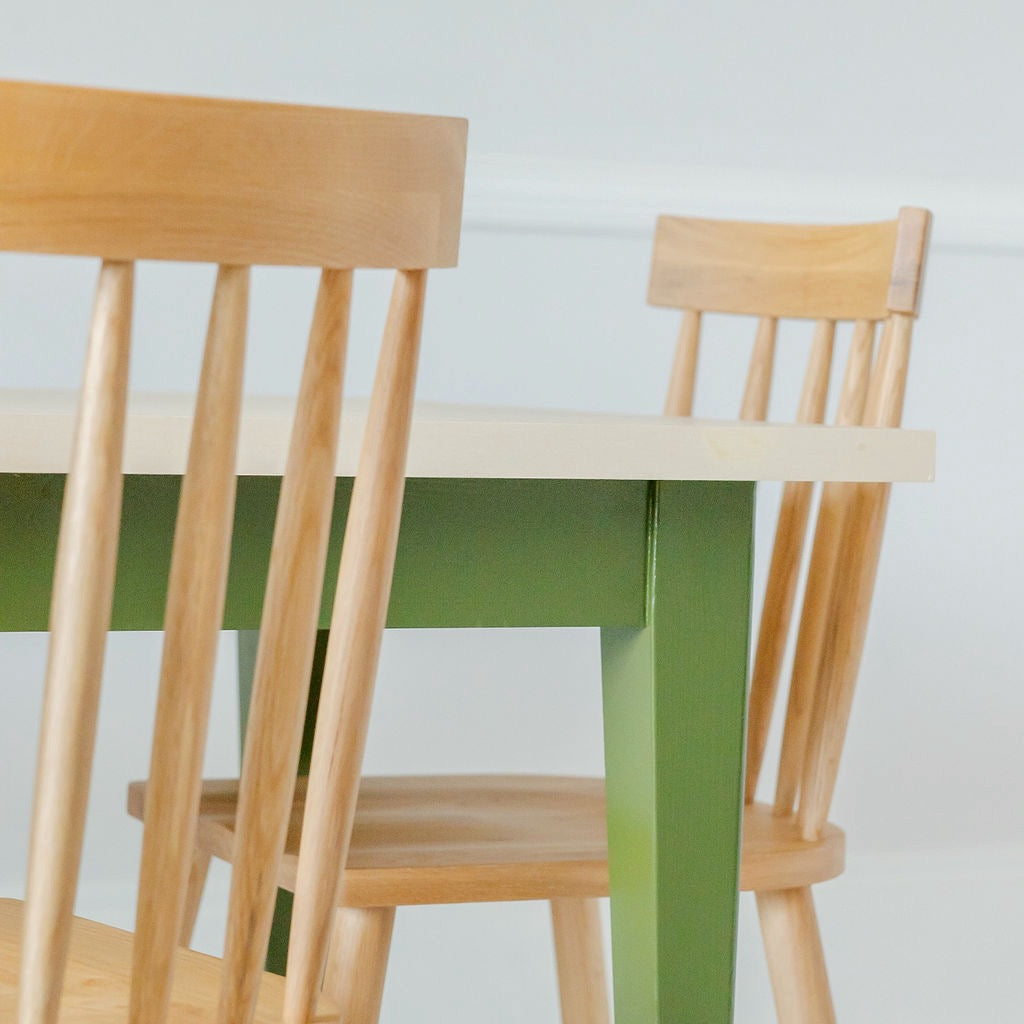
<point>579,955</point>
<point>123,176</point>
<point>357,961</point>
<point>97,979</point>
<point>758,389</point>
<point>489,838</point>
<point>856,568</point>
<point>683,377</point>
<point>357,626</point>
<point>810,654</point>
<point>284,659</point>
<point>837,273</point>
<point>784,569</point>
<point>194,895</point>
<point>796,960</point>
<point>142,176</point>
<point>866,273</point>
<point>83,586</point>
<point>913,231</point>
<point>195,609</point>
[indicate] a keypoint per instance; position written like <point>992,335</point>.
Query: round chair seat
<point>487,838</point>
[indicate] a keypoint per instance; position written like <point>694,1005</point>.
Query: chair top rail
<point>129,176</point>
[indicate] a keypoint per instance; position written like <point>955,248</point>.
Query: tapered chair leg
<point>357,961</point>
<point>579,953</point>
<point>796,962</point>
<point>194,895</point>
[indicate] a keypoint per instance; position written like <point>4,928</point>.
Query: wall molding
<point>534,194</point>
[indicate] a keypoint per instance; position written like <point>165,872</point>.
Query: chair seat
<point>99,967</point>
<point>490,838</point>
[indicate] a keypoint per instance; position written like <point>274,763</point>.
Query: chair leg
<point>357,960</point>
<point>579,953</point>
<point>796,962</point>
<point>194,895</point>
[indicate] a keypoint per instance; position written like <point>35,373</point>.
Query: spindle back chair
<point>869,274</point>
<point>487,839</point>
<point>127,177</point>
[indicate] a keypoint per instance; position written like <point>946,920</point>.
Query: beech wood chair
<point>495,838</point>
<point>129,176</point>
<point>870,273</point>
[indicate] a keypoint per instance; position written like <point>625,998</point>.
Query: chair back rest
<point>126,176</point>
<point>867,273</point>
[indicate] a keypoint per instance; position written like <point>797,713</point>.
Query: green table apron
<point>662,567</point>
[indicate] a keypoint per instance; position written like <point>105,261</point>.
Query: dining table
<point>639,525</point>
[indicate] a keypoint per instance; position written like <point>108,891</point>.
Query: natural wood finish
<point>838,273</point>
<point>357,961</point>
<point>480,839</point>
<point>142,176</point>
<point>579,954</point>
<point>810,642</point>
<point>284,660</point>
<point>759,374</point>
<point>883,405</point>
<point>470,839</point>
<point>867,273</point>
<point>856,568</point>
<point>97,978</point>
<point>195,606</point>
<point>194,894</point>
<point>83,587</point>
<point>913,231</point>
<point>126,175</point>
<point>796,960</point>
<point>783,573</point>
<point>357,625</point>
<point>683,377</point>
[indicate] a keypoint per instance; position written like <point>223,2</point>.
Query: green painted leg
<point>277,951</point>
<point>675,696</point>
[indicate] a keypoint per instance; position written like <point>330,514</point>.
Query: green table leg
<point>674,714</point>
<point>675,697</point>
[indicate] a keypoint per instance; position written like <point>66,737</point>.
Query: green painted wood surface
<point>664,568</point>
<point>674,701</point>
<point>470,553</point>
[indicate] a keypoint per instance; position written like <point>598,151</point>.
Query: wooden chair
<point>869,274</point>
<point>483,839</point>
<point>127,176</point>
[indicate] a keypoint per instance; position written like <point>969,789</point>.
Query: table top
<point>463,441</point>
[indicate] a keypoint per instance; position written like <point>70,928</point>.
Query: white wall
<point>586,119</point>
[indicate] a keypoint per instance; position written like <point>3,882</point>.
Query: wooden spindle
<point>796,960</point>
<point>759,375</point>
<point>284,658</point>
<point>194,895</point>
<point>856,570</point>
<point>195,608</point>
<point>684,367</point>
<point>579,956</point>
<point>784,570</point>
<point>357,624</point>
<point>357,961</point>
<point>810,642</point>
<point>83,587</point>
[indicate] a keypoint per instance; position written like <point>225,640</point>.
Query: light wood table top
<point>462,441</point>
